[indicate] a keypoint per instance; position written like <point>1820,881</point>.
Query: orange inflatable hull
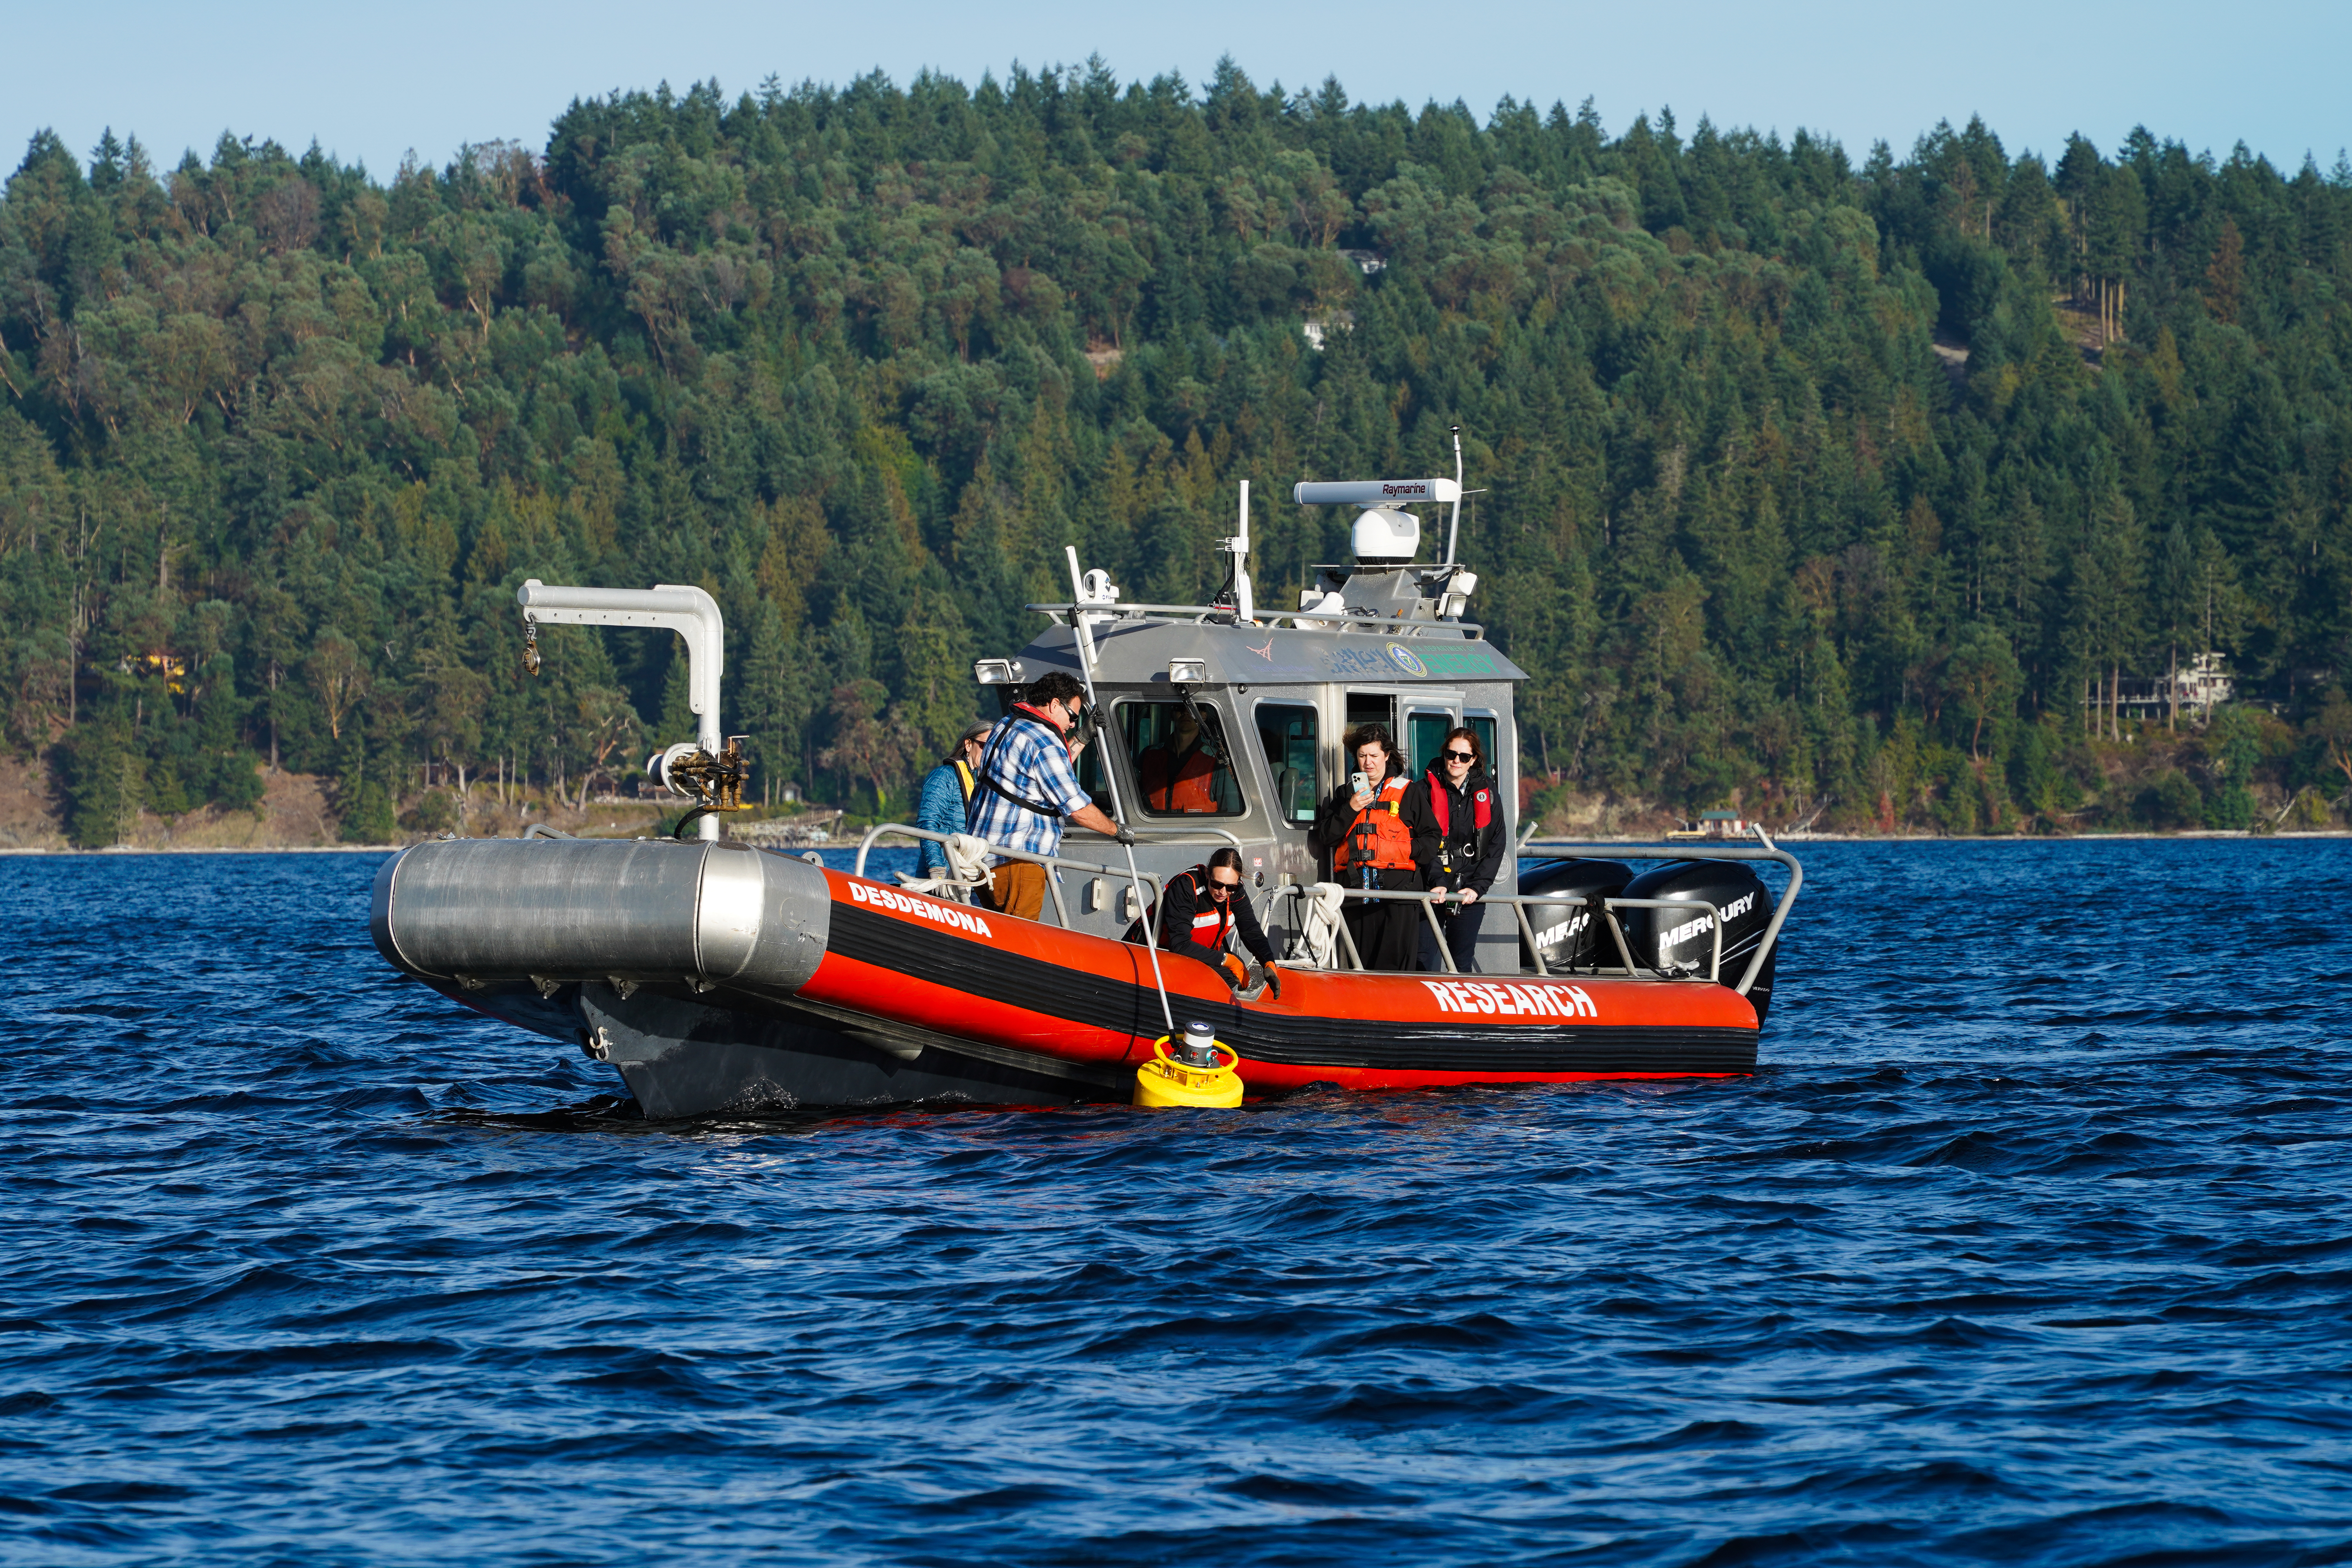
<point>1027,986</point>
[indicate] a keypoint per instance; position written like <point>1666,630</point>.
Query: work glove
<point>1126,835</point>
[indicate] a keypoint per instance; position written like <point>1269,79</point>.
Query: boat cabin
<point>1224,723</point>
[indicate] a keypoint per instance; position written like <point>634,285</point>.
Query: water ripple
<point>2030,1245</point>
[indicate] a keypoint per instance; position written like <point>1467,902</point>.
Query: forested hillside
<point>1846,487</point>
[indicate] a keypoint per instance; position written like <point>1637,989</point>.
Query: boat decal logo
<point>1406,660</point>
<point>921,909</point>
<point>1266,653</point>
<point>1685,931</point>
<point>1573,924</point>
<point>1706,922</point>
<point>1513,1001</point>
<point>1363,661</point>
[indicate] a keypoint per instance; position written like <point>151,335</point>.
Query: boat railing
<point>1052,862</point>
<point>1300,620</point>
<point>1430,902</point>
<point>1762,850</point>
<point>1518,902</point>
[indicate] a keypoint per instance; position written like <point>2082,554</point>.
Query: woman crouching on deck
<point>1205,908</point>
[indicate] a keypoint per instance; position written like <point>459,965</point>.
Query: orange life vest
<point>1378,838</point>
<point>1191,792</point>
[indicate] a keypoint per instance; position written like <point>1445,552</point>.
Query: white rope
<point>1317,941</point>
<point>968,868</point>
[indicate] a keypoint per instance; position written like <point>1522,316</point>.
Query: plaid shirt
<point>1033,763</point>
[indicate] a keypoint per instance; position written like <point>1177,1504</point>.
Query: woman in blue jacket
<point>947,790</point>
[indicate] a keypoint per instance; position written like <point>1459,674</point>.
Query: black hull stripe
<point>1101,1001</point>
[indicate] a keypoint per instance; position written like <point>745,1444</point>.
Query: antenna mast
<point>1454,531</point>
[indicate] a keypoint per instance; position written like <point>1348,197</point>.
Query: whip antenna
<point>1111,777</point>
<point>1454,532</point>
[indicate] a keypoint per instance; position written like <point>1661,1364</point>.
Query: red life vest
<point>1210,923</point>
<point>1481,806</point>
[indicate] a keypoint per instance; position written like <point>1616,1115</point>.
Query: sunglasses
<point>1461,756</point>
<point>1219,889</point>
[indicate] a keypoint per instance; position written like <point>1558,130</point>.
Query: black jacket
<point>1184,898</point>
<point>1464,858</point>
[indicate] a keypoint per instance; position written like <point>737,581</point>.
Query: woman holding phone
<point>1365,829</point>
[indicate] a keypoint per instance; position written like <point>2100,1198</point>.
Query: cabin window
<point>1424,738</point>
<point>1287,732</point>
<point>1182,765</point>
<point>1372,708</point>
<point>1483,726</point>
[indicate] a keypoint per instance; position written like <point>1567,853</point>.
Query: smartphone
<point>1362,785</point>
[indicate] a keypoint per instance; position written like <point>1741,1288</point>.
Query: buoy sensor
<point>1193,1076</point>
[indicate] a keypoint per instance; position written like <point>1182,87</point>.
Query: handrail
<point>1056,862</point>
<point>1145,841</point>
<point>1430,901</point>
<point>1734,851</point>
<point>1471,631</point>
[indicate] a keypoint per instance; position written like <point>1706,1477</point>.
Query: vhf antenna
<point>1454,532</point>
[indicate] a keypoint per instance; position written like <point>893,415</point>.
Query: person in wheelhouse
<point>1028,788</point>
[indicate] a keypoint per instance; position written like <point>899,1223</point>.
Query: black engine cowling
<point>1676,943</point>
<point>1569,935</point>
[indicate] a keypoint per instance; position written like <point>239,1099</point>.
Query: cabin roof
<point>1136,652</point>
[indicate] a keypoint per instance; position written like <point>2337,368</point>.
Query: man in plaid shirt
<point>1027,787</point>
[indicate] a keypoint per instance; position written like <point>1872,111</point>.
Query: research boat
<point>717,976</point>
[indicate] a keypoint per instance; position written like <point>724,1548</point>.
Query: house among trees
<point>2189,694</point>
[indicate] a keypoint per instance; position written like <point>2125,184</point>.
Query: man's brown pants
<point>1020,890</point>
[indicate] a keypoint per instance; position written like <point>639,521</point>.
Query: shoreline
<point>1697,850</point>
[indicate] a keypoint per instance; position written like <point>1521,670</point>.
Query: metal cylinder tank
<point>554,909</point>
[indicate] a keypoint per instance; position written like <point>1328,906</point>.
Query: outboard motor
<point>1573,936</point>
<point>1675,943</point>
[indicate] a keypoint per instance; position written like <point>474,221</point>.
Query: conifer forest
<point>1871,494</point>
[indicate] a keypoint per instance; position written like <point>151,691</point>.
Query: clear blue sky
<point>370,82</point>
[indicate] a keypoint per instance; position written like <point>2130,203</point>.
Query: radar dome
<point>1387,537</point>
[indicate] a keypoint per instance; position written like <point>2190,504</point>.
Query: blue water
<point>2031,1245</point>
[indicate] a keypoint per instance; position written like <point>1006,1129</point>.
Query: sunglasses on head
<point>1461,756</point>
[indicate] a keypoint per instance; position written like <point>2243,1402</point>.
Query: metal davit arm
<point>669,606</point>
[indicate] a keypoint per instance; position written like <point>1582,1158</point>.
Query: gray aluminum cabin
<point>1379,640</point>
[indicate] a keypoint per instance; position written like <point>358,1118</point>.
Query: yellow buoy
<point>1196,1077</point>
